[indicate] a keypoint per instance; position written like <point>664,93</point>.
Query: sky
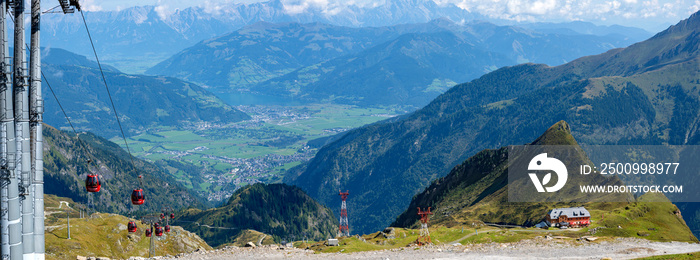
<point>653,15</point>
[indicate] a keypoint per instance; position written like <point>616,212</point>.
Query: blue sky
<point>651,14</point>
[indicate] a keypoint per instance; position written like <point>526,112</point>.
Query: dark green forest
<point>283,211</point>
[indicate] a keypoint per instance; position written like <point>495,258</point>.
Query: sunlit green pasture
<point>208,148</point>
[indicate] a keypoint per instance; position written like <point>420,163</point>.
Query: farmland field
<point>214,160</point>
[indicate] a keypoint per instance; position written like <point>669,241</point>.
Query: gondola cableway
<point>137,196</point>
<point>132,227</point>
<point>92,183</point>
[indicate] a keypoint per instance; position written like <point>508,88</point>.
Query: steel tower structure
<point>343,230</point>
<point>424,237</point>
<point>10,222</point>
<point>21,142</point>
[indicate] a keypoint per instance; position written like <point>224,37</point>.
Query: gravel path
<point>539,248</point>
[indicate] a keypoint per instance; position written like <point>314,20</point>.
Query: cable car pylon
<point>10,242</point>
<point>21,142</point>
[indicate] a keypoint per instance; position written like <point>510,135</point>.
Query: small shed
<point>333,242</point>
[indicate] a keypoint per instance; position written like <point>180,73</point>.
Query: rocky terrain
<point>554,248</point>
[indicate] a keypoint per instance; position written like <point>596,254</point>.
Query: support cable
<point>108,92</point>
<point>81,144</point>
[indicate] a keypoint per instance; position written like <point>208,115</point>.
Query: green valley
<point>214,160</point>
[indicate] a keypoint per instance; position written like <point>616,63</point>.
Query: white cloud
<point>538,7</point>
<point>163,10</point>
<point>629,12</point>
<point>90,5</point>
<point>694,8</point>
<point>212,6</point>
<point>325,6</point>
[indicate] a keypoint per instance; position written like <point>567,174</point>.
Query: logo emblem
<point>543,163</point>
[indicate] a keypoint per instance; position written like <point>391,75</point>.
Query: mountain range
<point>406,64</point>
<point>148,31</point>
<point>127,36</point>
<point>265,50</point>
<point>646,93</point>
<point>141,101</point>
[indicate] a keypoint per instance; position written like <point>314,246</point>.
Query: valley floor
<point>538,248</point>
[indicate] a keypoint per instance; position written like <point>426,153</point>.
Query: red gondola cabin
<point>148,232</point>
<point>167,228</point>
<point>137,197</point>
<point>159,231</point>
<point>132,227</point>
<point>172,215</point>
<point>92,183</point>
<point>156,225</point>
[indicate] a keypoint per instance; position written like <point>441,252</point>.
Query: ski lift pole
<point>68,223</point>
<point>150,220</point>
<point>152,249</point>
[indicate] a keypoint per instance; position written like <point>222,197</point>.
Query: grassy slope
<point>476,192</point>
<point>695,255</point>
<point>379,241</point>
<point>250,235</point>
<point>106,235</point>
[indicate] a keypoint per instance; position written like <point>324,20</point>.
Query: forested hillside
<point>141,101</point>
<point>66,167</point>
<point>280,210</point>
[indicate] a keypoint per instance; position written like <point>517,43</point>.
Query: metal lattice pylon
<point>424,237</point>
<point>343,230</point>
<point>150,220</point>
<point>90,206</point>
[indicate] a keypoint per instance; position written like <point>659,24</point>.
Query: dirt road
<point>539,248</point>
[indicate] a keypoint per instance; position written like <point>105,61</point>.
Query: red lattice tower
<point>424,237</point>
<point>343,230</point>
